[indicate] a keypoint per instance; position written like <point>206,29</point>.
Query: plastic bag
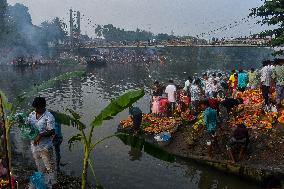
<point>37,179</point>
<point>28,132</point>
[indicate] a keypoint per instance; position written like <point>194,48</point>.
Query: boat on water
<point>96,60</point>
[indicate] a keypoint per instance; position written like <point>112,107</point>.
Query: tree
<point>3,13</point>
<point>99,31</point>
<point>112,33</point>
<point>86,136</point>
<point>53,31</point>
<point>272,14</point>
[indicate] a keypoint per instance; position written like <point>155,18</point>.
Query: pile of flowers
<point>281,117</point>
<point>251,113</point>
<point>4,183</point>
<point>251,96</point>
<point>154,125</point>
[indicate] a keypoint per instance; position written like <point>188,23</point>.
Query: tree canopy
<point>272,14</point>
<point>112,33</point>
<point>21,37</point>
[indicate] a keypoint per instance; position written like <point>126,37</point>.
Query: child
<point>156,105</point>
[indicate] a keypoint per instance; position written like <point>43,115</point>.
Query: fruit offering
<point>154,125</point>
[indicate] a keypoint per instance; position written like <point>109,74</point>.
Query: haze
<point>182,17</point>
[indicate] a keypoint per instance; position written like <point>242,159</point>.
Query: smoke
<point>22,38</point>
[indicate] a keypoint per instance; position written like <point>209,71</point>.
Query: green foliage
<point>114,107</point>
<point>272,14</point>
<point>54,31</point>
<point>112,33</point>
<point>17,31</point>
<point>117,106</point>
<point>8,107</point>
<point>73,139</point>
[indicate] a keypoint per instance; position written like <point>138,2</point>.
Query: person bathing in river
<point>41,147</point>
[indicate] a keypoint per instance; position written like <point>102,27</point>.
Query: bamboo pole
<point>5,141</point>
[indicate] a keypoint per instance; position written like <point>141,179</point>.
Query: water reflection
<point>137,144</point>
<point>90,95</point>
<point>200,175</point>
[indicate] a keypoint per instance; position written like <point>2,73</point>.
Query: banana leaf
<point>118,105</point>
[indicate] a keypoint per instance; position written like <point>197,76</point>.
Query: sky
<point>180,17</point>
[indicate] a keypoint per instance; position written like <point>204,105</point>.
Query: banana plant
<point>8,109</point>
<point>86,138</point>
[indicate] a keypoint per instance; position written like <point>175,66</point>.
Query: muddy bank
<point>23,169</point>
<point>263,158</point>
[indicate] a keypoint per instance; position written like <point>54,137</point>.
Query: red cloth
<point>163,105</point>
<point>186,100</point>
<point>214,103</point>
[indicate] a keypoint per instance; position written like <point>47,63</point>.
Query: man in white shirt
<point>171,94</point>
<point>41,147</point>
<point>187,85</point>
<point>208,83</point>
<point>266,79</point>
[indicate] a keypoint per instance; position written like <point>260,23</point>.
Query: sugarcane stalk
<point>5,141</point>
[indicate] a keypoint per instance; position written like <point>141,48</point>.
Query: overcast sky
<point>183,17</point>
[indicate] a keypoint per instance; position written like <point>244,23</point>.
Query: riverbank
<point>260,162</point>
<point>263,158</point>
<point>23,169</point>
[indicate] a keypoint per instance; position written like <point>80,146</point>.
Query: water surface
<point>117,164</point>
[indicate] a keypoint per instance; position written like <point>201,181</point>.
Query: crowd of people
<point>125,56</point>
<point>216,95</point>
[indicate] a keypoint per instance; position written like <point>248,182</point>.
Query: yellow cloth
<point>232,80</point>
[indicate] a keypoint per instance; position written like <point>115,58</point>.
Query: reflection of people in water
<point>134,154</point>
<point>271,182</point>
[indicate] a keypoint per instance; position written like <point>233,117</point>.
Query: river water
<point>118,165</point>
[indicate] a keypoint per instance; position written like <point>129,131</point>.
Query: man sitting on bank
<point>241,137</point>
